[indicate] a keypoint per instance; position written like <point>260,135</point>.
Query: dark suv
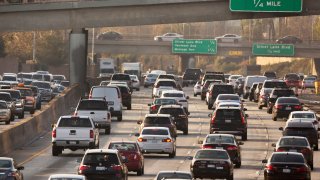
<point>229,120</point>
<point>275,94</point>
<point>126,95</point>
<point>206,85</point>
<point>191,76</point>
<point>180,117</point>
<point>124,78</point>
<point>158,120</point>
<point>103,164</point>
<point>304,129</point>
<point>219,89</point>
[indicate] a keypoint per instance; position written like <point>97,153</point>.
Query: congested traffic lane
<point>262,131</point>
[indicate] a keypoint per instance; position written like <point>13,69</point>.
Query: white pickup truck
<point>74,132</point>
<point>97,109</point>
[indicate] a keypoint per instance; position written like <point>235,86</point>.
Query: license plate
<point>219,167</point>
<point>211,166</point>
<point>154,141</point>
<point>219,147</point>
<point>292,150</point>
<point>72,142</point>
<point>100,168</point>
<point>286,170</point>
<point>288,108</point>
<point>227,121</point>
<point>110,103</point>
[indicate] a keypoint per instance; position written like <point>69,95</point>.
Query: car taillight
<point>243,121</point>
<point>281,150</point>
<point>91,133</point>
<point>83,168</point>
<point>142,140</point>
<point>270,168</point>
<point>278,106</point>
<point>210,93</point>
<point>305,151</point>
<point>135,157</point>
<point>117,168</point>
<point>231,148</point>
<point>302,169</point>
<point>297,107</point>
<point>213,118</point>
<point>166,140</point>
<point>207,146</point>
<point>54,133</point>
<point>154,107</point>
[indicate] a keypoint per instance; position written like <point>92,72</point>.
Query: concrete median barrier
<point>30,128</point>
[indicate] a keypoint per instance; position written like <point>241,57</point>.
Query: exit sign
<point>266,5</point>
<point>273,50</point>
<point>194,46</point>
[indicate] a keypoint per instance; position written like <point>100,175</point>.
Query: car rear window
<point>173,95</point>
<point>5,97</point>
<point>14,94</point>
<point>275,84</point>
<point>220,140</point>
<point>93,105</point>
<point>293,142</point>
<point>287,158</point>
<point>3,105</point>
<point>288,100</point>
<point>303,115</point>
<point>292,77</point>
<point>223,89</point>
<point>171,111</point>
<point>9,78</point>
<point>157,120</point>
<point>152,75</point>
<point>228,114</point>
<point>123,146</point>
<point>121,77</point>
<point>5,164</point>
<point>43,85</point>
<point>105,159</point>
<point>209,154</point>
<point>215,76</point>
<point>288,92</point>
<point>166,83</point>
<point>164,76</point>
<point>164,101</point>
<point>155,132</point>
<point>74,122</point>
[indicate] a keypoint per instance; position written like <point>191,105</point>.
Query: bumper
<point>133,165</point>
<point>236,133</point>
<point>74,144</point>
<point>282,114</point>
<point>4,118</point>
<point>279,176</point>
<point>103,125</point>
<point>210,173</point>
<point>29,107</point>
<point>18,111</point>
<point>182,125</point>
<point>156,148</point>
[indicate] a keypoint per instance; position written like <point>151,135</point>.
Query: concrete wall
<point>30,128</point>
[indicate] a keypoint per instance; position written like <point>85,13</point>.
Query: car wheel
<point>316,148</point>
<point>238,164</point>
<point>194,95</point>
<point>12,117</point>
<point>202,97</point>
<point>311,166</point>
<point>119,118</point>
<point>32,112</point>
<point>230,177</point>
<point>159,39</point>
<point>8,122</point>
<point>21,116</point>
<point>274,118</point>
<point>259,106</point>
<point>173,154</point>
<point>186,132</point>
<point>140,171</point>
<point>107,131</point>
<point>138,89</point>
<point>56,150</point>
<point>39,106</point>
<point>129,107</point>
<point>145,86</point>
<point>269,111</point>
<point>244,137</point>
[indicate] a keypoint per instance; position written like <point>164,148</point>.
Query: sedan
<point>9,169</point>
<point>211,163</point>
<point>135,82</point>
<point>168,37</point>
<point>157,140</point>
<point>133,154</point>
<point>227,142</point>
<point>289,40</point>
<point>67,177</point>
<point>295,144</point>
<point>284,106</point>
<point>302,116</point>
<point>157,102</point>
<point>197,89</point>
<point>286,165</point>
<point>229,38</point>
<point>173,175</point>
<point>308,82</point>
<point>227,98</point>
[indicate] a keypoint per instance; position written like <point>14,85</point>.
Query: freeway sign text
<point>193,46</point>
<point>266,5</point>
<point>273,49</point>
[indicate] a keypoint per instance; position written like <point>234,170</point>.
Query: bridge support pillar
<point>78,57</point>
<point>186,61</point>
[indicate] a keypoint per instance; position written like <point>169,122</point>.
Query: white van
<point>248,83</point>
<point>113,97</point>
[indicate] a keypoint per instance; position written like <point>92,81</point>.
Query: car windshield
<point>211,154</point>
<point>166,83</point>
<point>9,78</point>
<point>105,159</point>
<point>220,140</point>
<point>157,120</point>
<point>303,115</point>
<point>93,105</point>
<point>123,146</point>
<point>155,132</point>
<point>43,85</point>
<point>228,114</point>
<point>292,77</point>
<point>173,95</point>
<point>173,175</point>
<point>152,76</point>
<point>288,100</point>
<point>5,164</point>
<point>164,101</point>
<point>293,142</point>
<point>75,122</point>
<point>287,158</point>
<point>171,111</point>
<point>14,94</point>
<point>310,78</point>
<point>58,77</point>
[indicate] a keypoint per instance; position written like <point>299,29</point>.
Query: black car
<point>157,102</point>
<point>191,76</point>
<point>9,170</point>
<point>205,87</point>
<point>229,120</point>
<point>110,35</point>
<point>126,95</point>
<point>295,144</point>
<point>180,117</point>
<point>122,78</point>
<point>227,142</point>
<point>275,94</point>
<point>216,90</point>
<point>289,40</point>
<point>286,165</point>
<point>103,164</point>
<point>284,106</point>
<point>270,74</point>
<point>252,89</point>
<point>304,129</point>
<point>211,163</point>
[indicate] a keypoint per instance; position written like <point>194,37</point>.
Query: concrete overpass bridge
<point>88,14</point>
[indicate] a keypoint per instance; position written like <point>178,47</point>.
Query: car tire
<point>119,118</point>
<point>244,137</point>
<point>107,131</point>
<point>259,107</point>
<point>238,164</point>
<point>12,117</point>
<point>274,118</point>
<point>32,112</point>
<point>56,150</point>
<point>21,116</point>
<point>186,132</point>
<point>202,98</point>
<point>138,89</point>
<point>159,39</point>
<point>8,122</point>
<point>230,177</point>
<point>316,148</point>
<point>145,86</point>
<point>194,95</point>
<point>311,166</point>
<point>269,111</point>
<point>140,171</point>
<point>129,107</point>
<point>173,154</point>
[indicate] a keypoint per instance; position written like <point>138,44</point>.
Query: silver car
<point>67,177</point>
<point>135,82</point>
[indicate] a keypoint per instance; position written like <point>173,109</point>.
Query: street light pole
<point>92,47</point>
<point>34,46</point>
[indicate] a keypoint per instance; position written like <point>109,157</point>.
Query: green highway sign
<point>273,49</point>
<point>266,5</point>
<point>194,46</point>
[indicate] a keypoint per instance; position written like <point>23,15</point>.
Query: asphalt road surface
<point>262,132</point>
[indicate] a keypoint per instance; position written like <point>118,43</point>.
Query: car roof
<point>6,158</point>
<point>165,128</point>
<point>166,80</point>
<point>101,151</point>
<point>172,91</point>
<point>66,176</point>
<point>72,116</point>
<point>157,115</point>
<point>292,137</point>
<point>304,112</point>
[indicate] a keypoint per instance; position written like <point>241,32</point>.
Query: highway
<point>262,131</point>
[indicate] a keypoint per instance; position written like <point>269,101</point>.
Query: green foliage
<point>297,66</point>
<point>2,47</point>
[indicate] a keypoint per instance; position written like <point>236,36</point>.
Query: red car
<point>132,152</point>
<point>292,80</point>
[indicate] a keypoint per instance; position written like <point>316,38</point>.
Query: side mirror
<point>264,161</point>
<point>79,160</point>
<point>210,115</point>
<point>245,109</point>
<point>149,104</point>
<point>20,168</point>
<point>53,125</point>
<point>189,157</point>
<point>240,143</point>
<point>273,145</point>
<point>96,125</point>
<point>247,115</point>
<point>281,128</point>
<point>200,142</point>
<point>139,122</point>
<point>137,134</point>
